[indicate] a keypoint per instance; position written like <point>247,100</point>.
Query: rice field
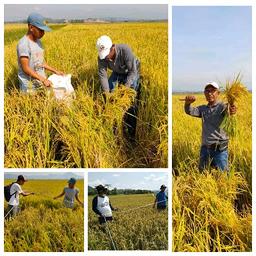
<point>43,224</point>
<point>89,133</point>
<point>212,211</point>
<point>142,229</point>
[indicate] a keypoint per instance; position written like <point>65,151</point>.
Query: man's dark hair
<point>21,178</point>
<point>100,188</point>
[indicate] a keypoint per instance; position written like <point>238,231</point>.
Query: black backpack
<point>7,192</point>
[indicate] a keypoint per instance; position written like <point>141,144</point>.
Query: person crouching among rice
<point>214,146</point>
<point>125,68</point>
<point>101,205</point>
<point>30,52</point>
<point>70,193</point>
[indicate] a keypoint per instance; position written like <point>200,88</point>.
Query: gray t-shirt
<point>212,118</point>
<point>69,196</point>
<point>124,63</point>
<point>35,53</point>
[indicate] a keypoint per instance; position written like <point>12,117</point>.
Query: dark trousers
<point>130,117</point>
<point>161,207</point>
<point>103,220</point>
<point>130,120</point>
<point>12,211</point>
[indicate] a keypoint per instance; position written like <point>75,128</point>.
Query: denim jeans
<point>116,78</point>
<point>214,158</point>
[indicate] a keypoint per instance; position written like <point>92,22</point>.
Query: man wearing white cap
<point>30,52</point>
<point>214,148</point>
<point>121,60</point>
<point>125,66</point>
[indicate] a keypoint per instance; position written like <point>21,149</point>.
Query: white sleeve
<point>17,188</point>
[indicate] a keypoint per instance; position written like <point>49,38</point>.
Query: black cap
<point>163,186</point>
<point>21,178</point>
<point>100,188</point>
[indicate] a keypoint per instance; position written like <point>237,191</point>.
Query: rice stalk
<point>235,92</point>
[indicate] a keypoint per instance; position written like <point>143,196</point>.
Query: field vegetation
<point>43,224</point>
<point>211,210</point>
<point>142,229</point>
<point>40,132</point>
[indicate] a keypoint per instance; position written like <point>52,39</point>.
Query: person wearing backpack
<point>12,193</point>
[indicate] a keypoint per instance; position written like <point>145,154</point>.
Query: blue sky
<point>210,44</point>
<point>14,12</point>
<point>134,180</point>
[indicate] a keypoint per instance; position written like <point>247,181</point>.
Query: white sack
<point>62,87</point>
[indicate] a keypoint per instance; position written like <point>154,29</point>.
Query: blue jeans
<point>116,78</point>
<point>214,158</point>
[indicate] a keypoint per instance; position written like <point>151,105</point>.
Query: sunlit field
<point>142,229</point>
<point>41,132</point>
<point>211,210</point>
<point>44,224</point>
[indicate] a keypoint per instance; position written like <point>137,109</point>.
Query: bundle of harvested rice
<point>234,92</point>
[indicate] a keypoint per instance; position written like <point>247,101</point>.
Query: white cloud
<point>97,182</point>
<point>150,177</point>
<point>37,8</point>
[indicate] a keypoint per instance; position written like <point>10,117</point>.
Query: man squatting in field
<point>214,147</point>
<point>101,205</point>
<point>126,70</point>
<point>14,190</point>
<point>161,199</point>
<point>70,193</point>
<point>30,52</point>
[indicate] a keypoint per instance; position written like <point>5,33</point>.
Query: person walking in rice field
<point>70,193</point>
<point>14,191</point>
<point>102,206</point>
<point>161,199</point>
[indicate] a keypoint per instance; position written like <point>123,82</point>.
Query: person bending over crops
<point>161,199</point>
<point>12,193</point>
<point>125,70</point>
<point>30,52</point>
<point>70,193</point>
<point>101,205</point>
<point>214,147</point>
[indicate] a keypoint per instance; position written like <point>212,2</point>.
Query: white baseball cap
<point>213,84</point>
<point>103,46</point>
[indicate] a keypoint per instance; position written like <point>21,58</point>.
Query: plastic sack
<point>62,87</point>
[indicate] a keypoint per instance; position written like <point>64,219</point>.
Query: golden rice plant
<point>205,218</point>
<point>44,225</point>
<point>211,211</point>
<point>89,133</point>
<point>142,229</point>
<point>234,92</point>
